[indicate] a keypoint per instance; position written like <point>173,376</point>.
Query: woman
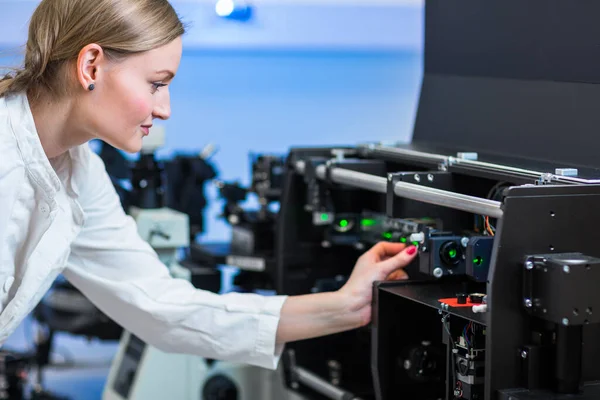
<point>101,69</point>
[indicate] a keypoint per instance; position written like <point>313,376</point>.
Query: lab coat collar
<point>32,152</point>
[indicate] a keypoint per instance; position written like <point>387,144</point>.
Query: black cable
<point>453,369</point>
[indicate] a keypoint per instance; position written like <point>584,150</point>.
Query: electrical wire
<point>447,328</point>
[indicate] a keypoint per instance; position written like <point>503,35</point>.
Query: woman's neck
<point>56,123</point>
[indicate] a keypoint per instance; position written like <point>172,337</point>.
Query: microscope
<point>140,371</point>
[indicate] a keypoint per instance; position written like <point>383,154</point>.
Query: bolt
<point>566,269</point>
<point>438,272</point>
<point>417,178</point>
<point>528,303</point>
<point>407,364</point>
<point>565,321</point>
<point>430,177</point>
<point>528,265</point>
<point>524,354</point>
<point>464,241</point>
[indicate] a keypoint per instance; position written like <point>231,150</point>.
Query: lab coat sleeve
<point>122,275</point>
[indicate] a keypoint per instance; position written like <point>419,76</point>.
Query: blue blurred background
<point>298,73</point>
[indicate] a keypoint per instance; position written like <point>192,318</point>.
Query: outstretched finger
<point>384,250</point>
<point>397,275</point>
<point>400,260</point>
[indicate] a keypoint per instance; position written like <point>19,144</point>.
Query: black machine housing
<point>498,190</point>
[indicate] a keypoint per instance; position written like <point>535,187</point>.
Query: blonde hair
<point>59,29</point>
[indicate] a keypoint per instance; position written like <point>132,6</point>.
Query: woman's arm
<point>313,315</point>
<point>124,278</point>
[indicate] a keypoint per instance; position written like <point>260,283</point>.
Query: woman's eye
<point>157,85</point>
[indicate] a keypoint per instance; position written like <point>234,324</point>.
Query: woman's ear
<point>89,64</point>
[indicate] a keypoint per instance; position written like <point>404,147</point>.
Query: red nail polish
<point>411,250</point>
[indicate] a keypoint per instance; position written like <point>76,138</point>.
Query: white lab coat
<point>65,217</point>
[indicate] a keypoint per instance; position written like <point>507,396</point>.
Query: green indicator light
<point>403,240</point>
<point>415,243</point>
<point>387,235</point>
<point>477,261</point>
<point>324,217</point>
<point>344,223</point>
<point>452,253</point>
<point>368,222</point>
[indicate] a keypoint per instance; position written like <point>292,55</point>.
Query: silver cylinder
<point>300,166</point>
<point>444,198</point>
<point>319,385</point>
<point>476,205</point>
<point>355,179</point>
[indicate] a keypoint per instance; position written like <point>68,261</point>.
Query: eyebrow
<point>170,75</point>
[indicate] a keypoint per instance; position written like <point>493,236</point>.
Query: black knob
<point>219,387</point>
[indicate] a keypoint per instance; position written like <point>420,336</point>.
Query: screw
<point>565,321</point>
<point>390,177</point>
<point>407,364</point>
<point>325,244</point>
<point>438,272</point>
<point>295,385</point>
<point>417,178</point>
<point>528,265</point>
<point>524,354</point>
<point>566,269</point>
<point>430,177</point>
<point>528,303</point>
<point>464,241</point>
<point>359,246</point>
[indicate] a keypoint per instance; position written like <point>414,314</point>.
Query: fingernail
<point>411,250</point>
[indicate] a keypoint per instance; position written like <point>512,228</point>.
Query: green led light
<point>344,223</point>
<point>368,222</point>
<point>478,261</point>
<point>324,217</point>
<point>387,235</point>
<point>452,253</point>
<point>403,240</point>
<point>415,243</point>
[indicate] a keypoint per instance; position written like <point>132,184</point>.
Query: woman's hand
<point>385,261</point>
<point>320,314</point>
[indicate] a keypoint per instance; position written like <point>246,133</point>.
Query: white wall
<point>283,24</point>
<point>302,72</point>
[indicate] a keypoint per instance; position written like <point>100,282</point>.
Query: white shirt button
<point>8,283</point>
<point>44,208</point>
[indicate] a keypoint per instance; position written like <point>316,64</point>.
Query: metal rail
<point>412,191</point>
<point>321,386</point>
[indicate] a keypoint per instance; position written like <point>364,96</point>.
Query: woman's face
<point>130,94</point>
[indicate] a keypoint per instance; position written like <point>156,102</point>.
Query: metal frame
<point>544,211</point>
